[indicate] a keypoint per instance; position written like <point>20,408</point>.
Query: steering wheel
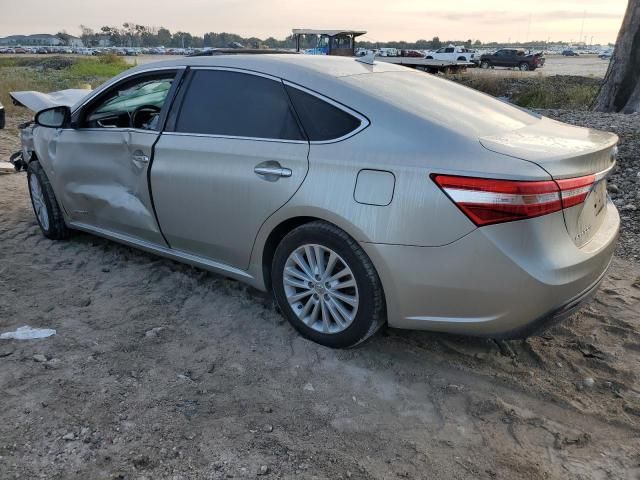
<point>143,115</point>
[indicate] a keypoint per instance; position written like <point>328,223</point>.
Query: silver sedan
<point>360,194</point>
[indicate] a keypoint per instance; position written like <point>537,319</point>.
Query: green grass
<point>47,74</point>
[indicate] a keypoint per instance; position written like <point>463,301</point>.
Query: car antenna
<point>369,58</point>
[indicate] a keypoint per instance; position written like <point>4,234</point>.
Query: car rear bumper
<point>501,281</point>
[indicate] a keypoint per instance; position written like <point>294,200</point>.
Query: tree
<point>436,43</point>
<point>87,36</point>
<point>620,90</point>
<point>477,43</point>
<point>64,37</point>
<point>164,36</point>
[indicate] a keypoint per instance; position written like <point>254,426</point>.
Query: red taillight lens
<point>575,190</point>
<point>487,201</point>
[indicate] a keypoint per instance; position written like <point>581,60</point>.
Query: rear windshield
<point>443,102</point>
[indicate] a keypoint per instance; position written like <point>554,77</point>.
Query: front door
<point>101,165</point>
<point>233,155</point>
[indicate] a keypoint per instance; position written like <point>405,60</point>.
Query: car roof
<point>290,67</point>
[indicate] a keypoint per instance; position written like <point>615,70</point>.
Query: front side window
<point>134,104</point>
<point>235,104</point>
<point>321,120</point>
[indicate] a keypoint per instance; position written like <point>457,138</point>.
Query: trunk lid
<point>565,151</point>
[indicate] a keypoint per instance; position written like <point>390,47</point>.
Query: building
<point>40,40</point>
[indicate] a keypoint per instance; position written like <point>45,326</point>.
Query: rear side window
<point>236,104</point>
<point>321,120</point>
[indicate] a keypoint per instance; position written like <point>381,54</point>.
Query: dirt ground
<point>162,371</point>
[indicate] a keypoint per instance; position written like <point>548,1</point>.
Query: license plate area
<point>584,220</point>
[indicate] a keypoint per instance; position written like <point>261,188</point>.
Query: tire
<point>485,64</point>
<point>524,67</point>
<point>429,58</point>
<point>462,59</point>
<point>366,317</point>
<point>45,205</point>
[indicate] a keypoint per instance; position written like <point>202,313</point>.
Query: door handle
<point>139,158</point>
<point>273,171</point>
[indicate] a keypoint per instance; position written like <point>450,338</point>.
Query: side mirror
<point>55,117</point>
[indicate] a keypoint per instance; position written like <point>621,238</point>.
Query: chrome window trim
<point>118,80</point>
<point>107,129</point>
<point>364,121</point>
<point>238,70</point>
<point>237,137</point>
<point>231,137</point>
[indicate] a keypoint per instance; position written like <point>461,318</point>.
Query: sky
<point>385,20</point>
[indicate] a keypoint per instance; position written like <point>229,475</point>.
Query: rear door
<point>232,155</point>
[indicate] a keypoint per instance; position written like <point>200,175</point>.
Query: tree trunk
<point>620,91</point>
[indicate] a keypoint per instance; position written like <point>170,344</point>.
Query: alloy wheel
<point>321,288</point>
<point>39,205</point>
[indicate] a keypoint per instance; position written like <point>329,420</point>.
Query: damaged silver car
<point>360,194</point>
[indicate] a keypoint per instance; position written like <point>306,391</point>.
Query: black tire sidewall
<point>366,315</point>
<point>35,169</point>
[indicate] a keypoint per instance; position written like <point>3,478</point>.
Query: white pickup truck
<point>452,54</point>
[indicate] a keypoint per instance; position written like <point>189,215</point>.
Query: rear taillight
<point>487,201</point>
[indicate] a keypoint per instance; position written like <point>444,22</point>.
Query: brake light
<point>574,191</point>
<point>488,201</point>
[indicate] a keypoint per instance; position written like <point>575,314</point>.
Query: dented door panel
<point>101,179</point>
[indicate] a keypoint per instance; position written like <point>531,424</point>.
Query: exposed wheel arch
<point>280,231</point>
<point>274,238</point>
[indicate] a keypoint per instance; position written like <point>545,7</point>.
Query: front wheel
<point>326,286</point>
<point>524,67</point>
<point>44,202</point>
<point>485,64</point>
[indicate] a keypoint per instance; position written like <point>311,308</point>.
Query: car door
<point>101,164</point>
<point>233,153</point>
<point>499,58</point>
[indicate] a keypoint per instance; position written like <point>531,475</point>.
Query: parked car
<point>514,58</point>
<point>388,52</point>
<point>452,54</point>
<point>570,53</point>
<point>412,53</point>
<point>358,198</point>
<point>606,54</point>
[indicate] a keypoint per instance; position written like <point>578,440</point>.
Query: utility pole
<point>584,14</point>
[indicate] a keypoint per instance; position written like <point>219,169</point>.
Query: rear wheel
<point>326,286</point>
<point>44,202</point>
